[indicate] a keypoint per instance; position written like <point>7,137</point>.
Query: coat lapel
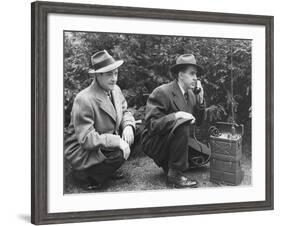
<point>103,101</point>
<point>178,97</point>
<point>118,107</point>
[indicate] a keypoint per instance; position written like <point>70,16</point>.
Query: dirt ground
<point>141,173</point>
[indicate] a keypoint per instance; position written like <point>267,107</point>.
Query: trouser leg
<point>102,171</point>
<point>178,149</point>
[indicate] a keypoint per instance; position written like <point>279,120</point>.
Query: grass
<point>141,173</point>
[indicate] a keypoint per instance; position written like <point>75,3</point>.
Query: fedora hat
<point>103,62</point>
<point>186,59</point>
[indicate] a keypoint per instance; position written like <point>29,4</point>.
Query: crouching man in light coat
<point>101,128</point>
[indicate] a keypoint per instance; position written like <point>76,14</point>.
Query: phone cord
<point>199,161</point>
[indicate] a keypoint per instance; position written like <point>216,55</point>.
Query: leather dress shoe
<point>117,175</point>
<point>87,183</point>
<point>177,180</point>
<point>93,185</point>
<point>181,182</point>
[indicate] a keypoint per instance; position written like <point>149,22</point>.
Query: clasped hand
<point>128,135</point>
<point>124,146</point>
<point>185,115</point>
<point>126,141</point>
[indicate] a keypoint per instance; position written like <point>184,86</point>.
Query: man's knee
<point>182,130</point>
<point>114,157</point>
<point>120,156</point>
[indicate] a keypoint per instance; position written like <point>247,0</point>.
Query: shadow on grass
<point>141,173</point>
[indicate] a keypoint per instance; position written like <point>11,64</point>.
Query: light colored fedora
<point>186,59</point>
<point>103,62</point>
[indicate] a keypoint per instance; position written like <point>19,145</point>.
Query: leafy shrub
<point>147,62</point>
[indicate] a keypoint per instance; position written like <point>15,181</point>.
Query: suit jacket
<point>160,119</point>
<point>95,125</point>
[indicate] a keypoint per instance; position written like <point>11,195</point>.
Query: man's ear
<point>179,74</point>
<point>97,75</point>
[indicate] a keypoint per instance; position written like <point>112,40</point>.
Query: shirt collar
<point>182,90</point>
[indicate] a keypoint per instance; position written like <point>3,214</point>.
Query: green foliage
<point>147,62</point>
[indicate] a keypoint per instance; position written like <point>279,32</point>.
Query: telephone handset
<point>196,90</point>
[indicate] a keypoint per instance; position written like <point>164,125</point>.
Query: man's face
<point>188,77</point>
<point>108,80</point>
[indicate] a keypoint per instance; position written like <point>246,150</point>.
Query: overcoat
<point>160,119</point>
<point>95,124</point>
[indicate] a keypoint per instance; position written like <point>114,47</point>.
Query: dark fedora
<point>103,62</point>
<point>186,59</point>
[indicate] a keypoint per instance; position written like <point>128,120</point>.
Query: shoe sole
<point>172,185</point>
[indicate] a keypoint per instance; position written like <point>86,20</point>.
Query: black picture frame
<point>39,109</point>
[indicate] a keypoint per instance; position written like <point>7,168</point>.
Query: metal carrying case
<point>226,154</point>
<point>226,172</point>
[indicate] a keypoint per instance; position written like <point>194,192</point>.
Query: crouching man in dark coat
<point>170,111</point>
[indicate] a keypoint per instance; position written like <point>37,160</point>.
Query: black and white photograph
<point>141,112</point>
<point>151,112</point>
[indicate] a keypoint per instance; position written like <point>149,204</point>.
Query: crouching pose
<point>101,129</point>
<point>170,111</point>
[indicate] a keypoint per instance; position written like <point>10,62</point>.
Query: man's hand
<point>185,115</point>
<point>128,135</point>
<point>124,146</point>
<point>200,96</point>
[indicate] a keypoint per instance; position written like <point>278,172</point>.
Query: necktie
<point>110,98</point>
<point>186,97</point>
